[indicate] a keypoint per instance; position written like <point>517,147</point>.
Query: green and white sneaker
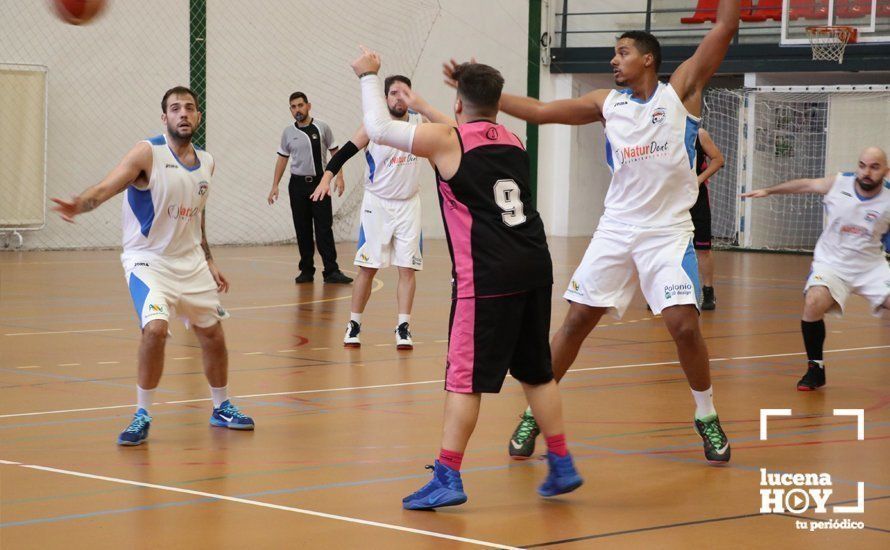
<point>522,443</point>
<point>716,443</point>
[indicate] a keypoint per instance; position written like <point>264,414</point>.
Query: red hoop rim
<point>831,29</point>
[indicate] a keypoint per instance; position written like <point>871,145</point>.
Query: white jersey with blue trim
<point>650,149</point>
<point>393,174</point>
<point>163,219</point>
<point>851,241</point>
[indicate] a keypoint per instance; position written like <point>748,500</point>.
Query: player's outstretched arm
<point>137,161</point>
<point>358,141</point>
<point>715,157</point>
<point>692,75</point>
<point>437,142</point>
<point>416,102</point>
<point>794,187</point>
<point>576,111</point>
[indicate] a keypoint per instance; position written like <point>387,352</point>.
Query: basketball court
<point>343,434</point>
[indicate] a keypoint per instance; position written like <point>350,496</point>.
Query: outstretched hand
<point>367,62</point>
<point>758,194</point>
<point>448,69</point>
<point>66,209</point>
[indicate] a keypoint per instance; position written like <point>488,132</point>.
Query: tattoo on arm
<point>204,245</point>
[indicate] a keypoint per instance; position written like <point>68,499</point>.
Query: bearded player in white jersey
<point>390,229</point>
<point>645,235</point>
<point>848,256</point>
<point>166,258</point>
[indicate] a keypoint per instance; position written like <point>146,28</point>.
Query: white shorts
<point>158,286</point>
<point>872,284</point>
<point>661,261</point>
<point>390,233</point>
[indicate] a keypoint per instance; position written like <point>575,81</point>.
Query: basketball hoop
<point>829,42</point>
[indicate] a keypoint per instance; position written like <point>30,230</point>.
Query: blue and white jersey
<point>650,148</point>
<point>163,218</point>
<point>393,174</point>
<point>851,241</point>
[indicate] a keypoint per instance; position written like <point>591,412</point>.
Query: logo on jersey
<point>401,160</point>
<point>871,215</point>
<point>492,134</point>
<point>416,261</point>
<point>620,103</point>
<point>314,136</point>
<point>575,288</point>
<point>168,165</point>
<point>141,264</point>
<point>658,116</point>
<point>637,153</point>
<point>855,230</point>
<point>202,188</point>
<point>362,257</point>
<point>156,309</point>
<point>182,213</point>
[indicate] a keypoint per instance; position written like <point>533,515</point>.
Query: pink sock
<point>556,444</point>
<point>452,459</point>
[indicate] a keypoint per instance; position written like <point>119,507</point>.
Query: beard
<point>397,111</point>
<point>867,185</point>
<point>619,82</point>
<point>299,117</point>
<point>183,134</point>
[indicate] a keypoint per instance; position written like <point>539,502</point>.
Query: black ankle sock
<point>813,338</point>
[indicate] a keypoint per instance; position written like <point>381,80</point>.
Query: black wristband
<point>340,157</point>
<point>366,73</point>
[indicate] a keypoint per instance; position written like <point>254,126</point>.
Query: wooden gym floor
<point>343,435</point>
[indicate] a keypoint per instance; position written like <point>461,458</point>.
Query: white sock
<point>144,398</point>
<point>704,403</point>
<point>528,410</point>
<point>404,318</point>
<point>821,364</point>
<point>357,317</point>
<point>219,395</point>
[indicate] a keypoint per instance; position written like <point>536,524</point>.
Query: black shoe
<point>337,278</point>
<point>304,278</point>
<point>813,379</point>
<point>709,301</point>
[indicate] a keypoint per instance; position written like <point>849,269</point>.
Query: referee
<point>306,143</point>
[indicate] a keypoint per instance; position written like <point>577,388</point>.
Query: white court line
<point>108,363</point>
<point>63,332</point>
<point>253,353</point>
<point>68,365</point>
<point>260,504</point>
<point>422,382</point>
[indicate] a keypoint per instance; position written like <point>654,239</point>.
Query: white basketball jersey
<point>393,174</point>
<point>650,148</point>
<point>854,227</point>
<point>164,218</point>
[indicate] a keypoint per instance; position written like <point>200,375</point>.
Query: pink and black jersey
<point>495,236</point>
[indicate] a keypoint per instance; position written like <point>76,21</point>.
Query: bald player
<point>848,256</point>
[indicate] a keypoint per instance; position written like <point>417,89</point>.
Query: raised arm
<point>134,164</point>
<point>715,157</point>
<point>794,187</point>
<point>693,74</point>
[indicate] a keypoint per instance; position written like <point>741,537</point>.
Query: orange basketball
<point>78,12</point>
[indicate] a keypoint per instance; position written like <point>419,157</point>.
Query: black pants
<point>305,212</point>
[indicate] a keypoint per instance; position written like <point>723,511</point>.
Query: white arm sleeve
<point>379,124</point>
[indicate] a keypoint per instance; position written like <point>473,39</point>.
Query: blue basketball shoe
<point>562,477</point>
<point>137,432</point>
<point>228,416</point>
<point>445,489</point>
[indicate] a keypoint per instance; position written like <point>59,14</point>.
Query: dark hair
<point>298,95</point>
<point>178,90</point>
<point>646,43</point>
<point>480,86</point>
<point>395,78</point>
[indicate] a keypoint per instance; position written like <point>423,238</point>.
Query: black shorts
<point>490,336</point>
<point>701,219</point>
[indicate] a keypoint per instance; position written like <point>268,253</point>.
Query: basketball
<point>78,12</point>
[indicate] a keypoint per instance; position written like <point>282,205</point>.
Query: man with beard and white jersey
<point>166,258</point>
<point>390,230</point>
<point>848,256</point>
<point>645,235</point>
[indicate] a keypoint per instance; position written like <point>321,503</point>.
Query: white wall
<point>106,80</point>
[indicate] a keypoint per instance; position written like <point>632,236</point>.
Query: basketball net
<point>829,42</point>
